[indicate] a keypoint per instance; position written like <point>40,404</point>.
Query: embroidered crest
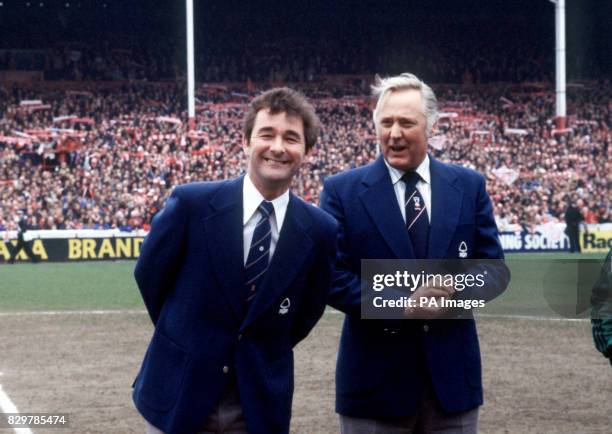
<point>463,250</point>
<point>284,306</point>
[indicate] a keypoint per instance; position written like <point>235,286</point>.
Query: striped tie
<point>417,222</point>
<point>259,252</point>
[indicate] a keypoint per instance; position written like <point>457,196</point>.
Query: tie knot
<point>266,208</point>
<point>411,178</point>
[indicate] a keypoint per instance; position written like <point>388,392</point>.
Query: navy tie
<point>259,252</point>
<point>417,222</point>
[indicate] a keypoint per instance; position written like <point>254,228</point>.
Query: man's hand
<point>429,312</point>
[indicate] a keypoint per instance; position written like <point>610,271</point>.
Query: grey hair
<point>406,80</point>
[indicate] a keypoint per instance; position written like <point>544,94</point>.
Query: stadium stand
<point>106,157</point>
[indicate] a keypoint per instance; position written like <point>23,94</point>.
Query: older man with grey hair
<point>400,376</point>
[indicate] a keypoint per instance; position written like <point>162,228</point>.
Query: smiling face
<point>275,151</point>
<point>401,129</point>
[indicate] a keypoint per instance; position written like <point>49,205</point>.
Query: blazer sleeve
<point>345,292</point>
<point>601,295</point>
<point>601,309</point>
<point>317,286</point>
<point>161,255</point>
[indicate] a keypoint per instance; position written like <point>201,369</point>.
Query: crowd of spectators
<point>107,157</point>
<point>84,62</point>
<point>442,57</point>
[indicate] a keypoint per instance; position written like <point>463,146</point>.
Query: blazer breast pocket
<point>163,372</point>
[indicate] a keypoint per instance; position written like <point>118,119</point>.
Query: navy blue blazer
<point>190,274</point>
<point>383,364</point>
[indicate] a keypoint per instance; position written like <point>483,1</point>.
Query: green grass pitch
<point>110,285</point>
<point>69,286</point>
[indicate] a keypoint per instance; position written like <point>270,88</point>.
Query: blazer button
<point>425,328</point>
<point>225,369</point>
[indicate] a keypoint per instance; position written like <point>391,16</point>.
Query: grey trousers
<point>226,417</point>
<point>430,419</point>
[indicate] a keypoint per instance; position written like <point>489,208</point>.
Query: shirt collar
<point>422,170</point>
<point>251,198</point>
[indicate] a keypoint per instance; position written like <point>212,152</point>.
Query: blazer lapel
<point>446,200</point>
<point>381,203</point>
<point>224,231</point>
<point>293,247</point>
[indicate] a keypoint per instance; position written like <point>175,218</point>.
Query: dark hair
<point>285,100</point>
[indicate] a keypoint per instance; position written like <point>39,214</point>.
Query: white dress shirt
<point>423,186</point>
<point>251,198</point>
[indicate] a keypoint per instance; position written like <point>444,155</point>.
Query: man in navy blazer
<point>221,357</point>
<point>419,375</point>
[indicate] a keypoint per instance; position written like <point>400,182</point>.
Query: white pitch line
<point>490,315</point>
<point>7,406</point>
<point>328,310</point>
<point>532,318</point>
<point>74,312</point>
